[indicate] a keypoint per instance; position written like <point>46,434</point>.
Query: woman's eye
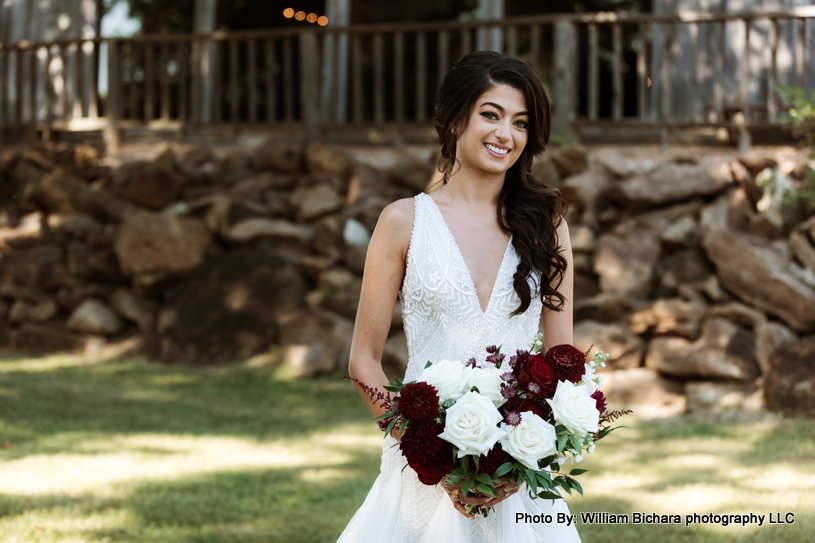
<point>489,113</point>
<point>523,124</point>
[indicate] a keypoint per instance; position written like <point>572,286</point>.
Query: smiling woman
<point>480,261</point>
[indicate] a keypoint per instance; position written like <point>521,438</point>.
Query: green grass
<point>130,451</point>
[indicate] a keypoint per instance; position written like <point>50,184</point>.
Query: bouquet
<point>475,425</point>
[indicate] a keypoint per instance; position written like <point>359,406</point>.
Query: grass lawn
<point>130,451</point>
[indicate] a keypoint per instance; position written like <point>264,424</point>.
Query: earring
<point>453,130</point>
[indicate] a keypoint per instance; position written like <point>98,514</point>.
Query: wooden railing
<point>599,68</point>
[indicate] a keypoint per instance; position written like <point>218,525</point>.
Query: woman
<point>479,261</point>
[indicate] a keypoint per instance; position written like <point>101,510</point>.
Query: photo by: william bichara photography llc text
<point>687,520</point>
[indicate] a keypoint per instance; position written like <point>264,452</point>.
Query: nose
<point>503,130</point>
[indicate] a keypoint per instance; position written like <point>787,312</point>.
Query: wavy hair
<point>530,207</point>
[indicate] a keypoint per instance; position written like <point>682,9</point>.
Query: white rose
<point>575,409</point>
<point>529,441</point>
<point>488,381</point>
<point>472,425</point>
<point>448,377</point>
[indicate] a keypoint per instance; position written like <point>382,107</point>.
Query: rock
<point>312,266</point>
<point>808,227</point>
<point>4,308</point>
<point>626,263</point>
<point>70,297</point>
<point>312,341</point>
<point>225,211</point>
<point>10,289</point>
<point>133,308</point>
<point>682,267</point>
<point>584,188</point>
<point>669,183</point>
<point>59,192</point>
<point>94,317</point>
<point>149,242</point>
<point>35,266</point>
<point>22,311</point>
<point>569,160</point>
<point>768,223</point>
<point>714,291</point>
<point>790,382</point>
<point>395,355</point>
<point>283,235</point>
<point>226,310</point>
<point>328,235</point>
<point>755,163</point>
<point>199,165</point>
<point>771,336</point>
<point>738,313</point>
<point>644,391</point>
<point>46,338</point>
<point>355,259</point>
<point>624,348</point>
<point>604,307</point>
<point>747,266</point>
<point>355,234</point>
<point>323,158</point>
<point>615,163</point>
<point>582,238</point>
<point>37,156</point>
<point>680,233</point>
<point>341,290</point>
<point>152,188</point>
<point>723,351</point>
<point>673,212</point>
<point>254,187</point>
<point>85,156</point>
<point>276,157</point>
<point>732,210</point>
<point>803,249</point>
<point>544,170</point>
<point>714,397</point>
<point>672,316</point>
<point>746,181</point>
<point>29,230</point>
<point>411,172</point>
<point>75,225</point>
<point>314,202</point>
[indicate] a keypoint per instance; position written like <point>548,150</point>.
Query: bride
<point>483,260</point>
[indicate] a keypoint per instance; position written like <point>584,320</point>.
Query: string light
<point>288,13</point>
<point>311,17</point>
<point>322,20</point>
<point>300,15</point>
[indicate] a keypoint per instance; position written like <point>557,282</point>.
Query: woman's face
<point>499,119</point>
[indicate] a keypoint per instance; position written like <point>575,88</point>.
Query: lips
<point>493,153</point>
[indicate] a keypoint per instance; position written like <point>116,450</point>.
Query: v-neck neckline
<point>467,268</point>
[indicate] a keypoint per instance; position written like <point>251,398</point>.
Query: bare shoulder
<point>396,222</point>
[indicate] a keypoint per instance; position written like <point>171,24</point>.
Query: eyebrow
<point>499,108</point>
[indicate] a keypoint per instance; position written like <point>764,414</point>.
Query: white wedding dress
<point>443,319</point>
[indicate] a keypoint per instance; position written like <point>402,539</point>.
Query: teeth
<point>496,149</point>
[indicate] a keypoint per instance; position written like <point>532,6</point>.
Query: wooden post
<point>288,79</point>
<point>251,84</point>
<point>148,82</point>
<point>308,84</point>
<point>421,81</point>
<point>165,82</point>
<point>772,104</point>
<point>379,76</point>
<point>3,82</point>
<point>718,71</point>
<point>444,56</point>
<point>642,81</point>
<point>271,92</point>
<point>489,39</point>
<point>356,67</point>
<point>113,109</point>
<point>594,72</point>
<point>564,58</point>
<point>399,76</point>
<point>512,41</point>
<point>234,91</point>
<point>617,82</point>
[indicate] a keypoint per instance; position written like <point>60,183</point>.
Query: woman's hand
<point>460,501</point>
<point>505,488</point>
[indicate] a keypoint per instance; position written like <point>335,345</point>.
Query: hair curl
<point>532,210</point>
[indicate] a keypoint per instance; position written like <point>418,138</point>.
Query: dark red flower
<point>535,369</point>
<point>428,454</point>
<point>520,405</point>
<point>566,362</point>
<point>419,402</point>
<point>601,400</point>
<point>513,418</point>
<point>497,456</point>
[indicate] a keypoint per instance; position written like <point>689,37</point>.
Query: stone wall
<point>697,281</point>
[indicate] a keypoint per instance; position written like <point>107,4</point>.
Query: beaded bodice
<point>441,312</point>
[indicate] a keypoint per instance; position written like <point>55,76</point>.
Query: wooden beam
<point>356,76</point>
<point>271,91</point>
<point>594,72</point>
<point>399,76</point>
<point>288,79</point>
<point>251,84</point>
<point>772,103</point>
<point>164,81</point>
<point>379,76</point>
<point>421,77</point>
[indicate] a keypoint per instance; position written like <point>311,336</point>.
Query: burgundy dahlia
<point>566,362</point>
<point>601,400</point>
<point>419,402</point>
<point>428,454</point>
<point>494,459</point>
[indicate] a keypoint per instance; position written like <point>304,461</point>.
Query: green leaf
<point>488,490</point>
<point>561,442</point>
<point>578,471</point>
<point>466,486</point>
<point>429,363</point>
<point>575,443</point>
<point>577,486</point>
<point>549,495</point>
<point>475,460</point>
<point>465,463</point>
<point>390,426</point>
<point>503,469</point>
<point>484,478</point>
<point>391,388</point>
<point>532,481</point>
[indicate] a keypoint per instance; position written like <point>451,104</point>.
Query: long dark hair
<point>533,210</point>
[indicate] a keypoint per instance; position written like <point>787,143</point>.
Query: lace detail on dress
<point>440,307</point>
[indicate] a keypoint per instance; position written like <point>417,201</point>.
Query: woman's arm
<point>558,326</point>
<point>381,280</point>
